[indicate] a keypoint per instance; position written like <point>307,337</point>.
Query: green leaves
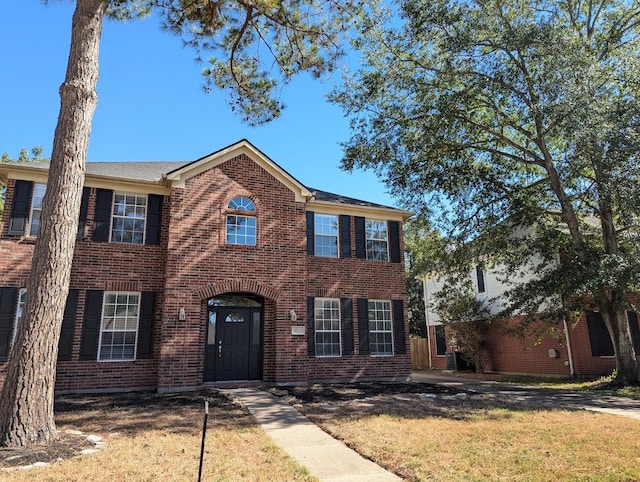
<point>492,117</point>
<point>253,48</point>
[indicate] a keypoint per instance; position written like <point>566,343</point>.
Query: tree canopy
<point>513,125</point>
<point>253,47</point>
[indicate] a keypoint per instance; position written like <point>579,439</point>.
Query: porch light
<point>292,315</point>
<point>182,314</point>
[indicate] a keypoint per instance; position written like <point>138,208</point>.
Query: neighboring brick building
<point>224,269</point>
<point>581,347</point>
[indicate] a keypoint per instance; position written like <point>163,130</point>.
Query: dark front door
<point>228,344</point>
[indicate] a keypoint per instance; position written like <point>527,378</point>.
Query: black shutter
<point>598,335</point>
<point>8,299</point>
<point>345,236</point>
<point>84,212</point>
<point>347,326</point>
<point>310,233</point>
<point>363,325</point>
<point>480,278</point>
<point>441,341</point>
<point>635,330</point>
<point>361,246</point>
<point>311,327</point>
<point>154,218</point>
<point>145,325</point>
<point>394,241</point>
<point>398,327</point>
<point>20,210</point>
<point>68,326</point>
<point>91,325</point>
<point>102,219</point>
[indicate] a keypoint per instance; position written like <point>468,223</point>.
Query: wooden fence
<point>419,353</point>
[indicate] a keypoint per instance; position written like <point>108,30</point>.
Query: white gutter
<point>569,351</point>
<point>425,297</point>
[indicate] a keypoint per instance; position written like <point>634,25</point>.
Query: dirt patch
<point>110,415</point>
<point>113,415</point>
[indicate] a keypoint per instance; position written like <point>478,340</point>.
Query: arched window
<point>241,221</point>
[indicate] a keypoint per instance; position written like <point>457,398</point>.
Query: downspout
<point>569,351</point>
<point>426,317</point>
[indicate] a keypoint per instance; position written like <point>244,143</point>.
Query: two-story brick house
<point>224,269</point>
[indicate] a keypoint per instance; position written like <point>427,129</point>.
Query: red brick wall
<point>508,353</point>
<point>97,266</point>
<point>193,263</point>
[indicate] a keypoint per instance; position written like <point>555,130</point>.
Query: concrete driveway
<point>625,407</point>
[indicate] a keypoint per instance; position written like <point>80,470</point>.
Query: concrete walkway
<point>626,407</point>
<point>322,455</point>
<point>332,461</point>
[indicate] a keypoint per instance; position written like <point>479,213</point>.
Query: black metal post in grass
<point>204,433</point>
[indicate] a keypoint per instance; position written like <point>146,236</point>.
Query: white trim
<point>389,214</point>
<point>135,346</point>
<point>113,204</point>
<point>315,331</point>
<point>179,177</point>
<point>382,331</point>
<point>18,315</point>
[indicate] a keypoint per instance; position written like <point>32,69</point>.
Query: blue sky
<point>151,106</point>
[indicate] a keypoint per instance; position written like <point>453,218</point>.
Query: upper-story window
<point>36,208</point>
<point>326,235</point>
<point>241,221</point>
<point>376,240</point>
<point>128,218</point>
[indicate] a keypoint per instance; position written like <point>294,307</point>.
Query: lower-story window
<point>119,326</point>
<point>327,326</point>
<point>380,327</point>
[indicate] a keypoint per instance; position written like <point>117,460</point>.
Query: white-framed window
<point>327,327</point>
<point>241,221</point>
<point>119,326</point>
<point>325,235</point>
<point>19,310</point>
<point>128,218</point>
<point>376,240</point>
<point>36,208</point>
<point>380,328</point>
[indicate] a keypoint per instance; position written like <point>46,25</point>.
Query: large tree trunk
<point>615,318</point>
<point>26,403</point>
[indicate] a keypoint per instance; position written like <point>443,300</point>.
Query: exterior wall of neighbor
<point>509,353</point>
<point>193,263</point>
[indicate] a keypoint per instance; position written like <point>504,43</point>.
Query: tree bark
<point>26,402</point>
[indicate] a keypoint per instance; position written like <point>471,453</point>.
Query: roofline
<point>341,208</point>
<point>41,175</point>
<point>178,176</point>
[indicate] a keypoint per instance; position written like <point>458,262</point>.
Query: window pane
<point>327,327</point>
<point>241,230</point>
<point>242,203</point>
<point>376,239</point>
<point>119,326</point>
<point>380,327</point>
<point>128,219</point>
<point>326,235</point>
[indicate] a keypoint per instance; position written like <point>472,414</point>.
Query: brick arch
<point>238,286</point>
